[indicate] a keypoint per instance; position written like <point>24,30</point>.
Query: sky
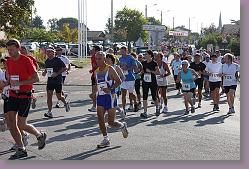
<point>200,12</point>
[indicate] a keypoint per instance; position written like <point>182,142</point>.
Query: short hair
<point>150,53</point>
<point>160,54</point>
<point>111,56</point>
<point>97,48</point>
<point>13,42</point>
<point>134,54</point>
<point>123,47</point>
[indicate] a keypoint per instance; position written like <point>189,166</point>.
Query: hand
<point>107,90</point>
<point>67,72</point>
<point>54,75</point>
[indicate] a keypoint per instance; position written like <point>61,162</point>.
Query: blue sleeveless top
<point>188,78</point>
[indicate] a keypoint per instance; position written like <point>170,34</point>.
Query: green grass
<point>81,63</point>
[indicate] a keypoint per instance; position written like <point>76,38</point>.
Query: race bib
<point>214,77</point>
<point>147,77</point>
<point>101,86</point>
<point>186,86</point>
<point>125,72</point>
<point>50,71</point>
<point>228,78</point>
<point>15,78</point>
<point>159,78</point>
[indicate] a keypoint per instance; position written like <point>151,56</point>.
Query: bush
<point>40,57</point>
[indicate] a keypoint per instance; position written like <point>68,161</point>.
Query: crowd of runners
<point>140,75</point>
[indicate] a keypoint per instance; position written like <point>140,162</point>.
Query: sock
<point>106,137</point>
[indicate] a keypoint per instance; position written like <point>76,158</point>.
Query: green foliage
<point>73,23</point>
<point>68,35</point>
<point>129,25</point>
<point>37,22</point>
<point>40,35</point>
<point>40,57</point>
<point>234,45</point>
<point>14,25</point>
<point>153,21</point>
<point>53,24</point>
<point>108,27</point>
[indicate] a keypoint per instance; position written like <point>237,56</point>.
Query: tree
<point>211,29</point>
<point>153,21</point>
<point>108,27</point>
<point>53,24</point>
<point>40,35</point>
<point>73,23</point>
<point>129,25</point>
<point>14,25</point>
<point>68,35</point>
<point>37,22</point>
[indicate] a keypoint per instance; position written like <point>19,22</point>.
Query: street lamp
<point>162,14</point>
<point>146,10</point>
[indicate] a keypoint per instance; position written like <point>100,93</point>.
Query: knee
<point>21,125</point>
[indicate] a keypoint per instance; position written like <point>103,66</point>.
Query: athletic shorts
<point>199,83</point>
<point>128,85</point>
<point>56,87</point>
<point>227,88</point>
<point>191,91</point>
<point>107,101</point>
<point>214,85</point>
<point>19,105</point>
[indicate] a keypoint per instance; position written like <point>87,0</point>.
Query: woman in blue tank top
<point>188,77</point>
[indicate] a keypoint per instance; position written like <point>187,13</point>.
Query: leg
<point>22,125</point>
<point>101,119</point>
<point>164,95</point>
<point>49,100</point>
<point>145,96</point>
<point>124,92</point>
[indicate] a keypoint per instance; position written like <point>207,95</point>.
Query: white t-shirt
<point>229,74</point>
<point>6,88</point>
<point>214,69</point>
<point>219,59</point>
<point>176,65</point>
<point>66,61</point>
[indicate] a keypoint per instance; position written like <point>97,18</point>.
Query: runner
<point>94,50</point>
<point>188,77</point>
<point>53,70</point>
<point>150,70</point>
<point>110,60</point>
<point>5,97</point>
<point>162,81</point>
<point>107,81</point>
<point>24,51</point>
<point>176,65</point>
<point>199,67</point>
<point>206,77</point>
<point>230,72</point>
<point>138,79</point>
<point>214,70</point>
<point>128,65</point>
<point>66,61</point>
<point>21,74</point>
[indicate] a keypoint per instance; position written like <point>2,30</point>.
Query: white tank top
<point>162,81</point>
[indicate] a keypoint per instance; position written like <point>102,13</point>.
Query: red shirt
<point>34,60</point>
<point>94,63</point>
<point>24,68</point>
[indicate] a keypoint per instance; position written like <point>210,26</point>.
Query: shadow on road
<point>212,121</point>
<point>90,153</point>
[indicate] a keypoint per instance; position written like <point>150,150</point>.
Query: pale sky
<point>202,12</point>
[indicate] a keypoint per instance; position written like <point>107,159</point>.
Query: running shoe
<point>124,130</point>
<point>199,105</point>
<point>157,112</point>
<point>93,109</point>
<point>193,109</point>
<point>42,140</point>
<point>48,114</point>
<point>165,109</point>
<point>136,108</point>
<point>33,104</point>
<point>104,143</point>
<point>144,115</point>
<point>20,153</point>
<point>186,112</point>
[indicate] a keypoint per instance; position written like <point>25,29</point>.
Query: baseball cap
<point>50,49</point>
<point>185,62</point>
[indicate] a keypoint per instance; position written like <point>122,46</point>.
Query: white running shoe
<point>104,143</point>
<point>124,130</point>
<point>165,109</point>
<point>93,109</point>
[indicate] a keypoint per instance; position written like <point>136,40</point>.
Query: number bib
<point>50,71</point>
<point>228,78</point>
<point>15,78</point>
<point>214,76</point>
<point>147,77</point>
<point>186,86</point>
<point>101,86</point>
<point>159,78</point>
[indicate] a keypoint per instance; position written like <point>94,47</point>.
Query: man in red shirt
<point>21,74</point>
<point>94,50</point>
<point>24,51</point>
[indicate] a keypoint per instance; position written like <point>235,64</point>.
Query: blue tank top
<point>103,79</point>
<point>188,78</point>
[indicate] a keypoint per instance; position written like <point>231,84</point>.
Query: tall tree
<point>130,23</point>
<point>68,35</point>
<point>37,22</point>
<point>153,21</point>
<point>73,23</point>
<point>211,29</point>
<point>53,24</point>
<point>14,25</point>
